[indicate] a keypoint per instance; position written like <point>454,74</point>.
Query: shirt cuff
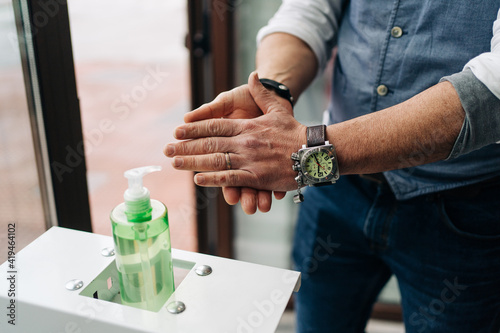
<point>481,125</point>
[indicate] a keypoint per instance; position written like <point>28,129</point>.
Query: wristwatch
<point>315,163</point>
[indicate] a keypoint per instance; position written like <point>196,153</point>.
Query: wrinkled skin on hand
<point>259,132</point>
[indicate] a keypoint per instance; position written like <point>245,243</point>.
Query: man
<point>414,118</point>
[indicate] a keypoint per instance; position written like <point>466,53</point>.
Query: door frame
<point>211,43</point>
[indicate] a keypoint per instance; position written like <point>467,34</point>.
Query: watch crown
<point>296,167</point>
<point>295,157</point>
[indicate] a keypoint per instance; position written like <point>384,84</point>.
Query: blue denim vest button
<point>396,32</point>
<point>382,90</point>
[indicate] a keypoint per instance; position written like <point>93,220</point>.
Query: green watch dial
<point>319,164</point>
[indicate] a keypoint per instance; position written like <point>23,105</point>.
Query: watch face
<point>318,165</point>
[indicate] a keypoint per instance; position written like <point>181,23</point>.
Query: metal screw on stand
<point>203,270</point>
<point>176,307</point>
<point>108,252</point>
<point>74,284</point>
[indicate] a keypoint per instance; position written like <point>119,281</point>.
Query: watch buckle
<point>298,198</point>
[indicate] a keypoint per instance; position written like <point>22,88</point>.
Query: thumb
<point>263,97</point>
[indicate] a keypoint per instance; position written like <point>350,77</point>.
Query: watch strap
<point>279,88</point>
<point>316,135</point>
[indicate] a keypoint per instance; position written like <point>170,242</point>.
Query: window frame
<point>44,40</point>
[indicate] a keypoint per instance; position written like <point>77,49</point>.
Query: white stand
<point>234,297</point>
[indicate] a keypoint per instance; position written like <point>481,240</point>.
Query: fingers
<point>228,178</point>
<point>212,136</point>
<point>232,178</point>
<point>264,201</point>
<point>208,128</point>
<point>208,162</point>
<point>231,195</point>
<point>279,195</point>
<point>197,147</point>
<point>218,108</point>
<point>249,200</point>
<point>237,103</point>
<point>263,97</point>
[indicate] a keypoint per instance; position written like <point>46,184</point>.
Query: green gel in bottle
<point>142,245</point>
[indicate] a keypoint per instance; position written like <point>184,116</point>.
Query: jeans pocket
<point>476,218</point>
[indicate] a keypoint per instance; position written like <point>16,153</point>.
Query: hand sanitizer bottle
<point>142,245</point>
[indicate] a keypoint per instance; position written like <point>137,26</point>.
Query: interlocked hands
<point>258,131</point>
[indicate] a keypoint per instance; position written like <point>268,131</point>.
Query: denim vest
<point>389,51</point>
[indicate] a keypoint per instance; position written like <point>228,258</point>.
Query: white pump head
<point>135,191</point>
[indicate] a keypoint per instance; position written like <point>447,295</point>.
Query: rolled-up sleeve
<point>314,22</point>
<point>478,87</point>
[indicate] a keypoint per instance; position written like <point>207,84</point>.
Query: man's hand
<point>259,148</point>
<point>250,198</point>
<point>237,103</point>
<point>281,57</point>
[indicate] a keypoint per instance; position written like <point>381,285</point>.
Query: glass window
<point>132,71</point>
<point>20,201</point>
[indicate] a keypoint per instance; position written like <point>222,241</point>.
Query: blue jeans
<point>443,248</point>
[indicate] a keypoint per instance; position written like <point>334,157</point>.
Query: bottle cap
<point>137,199</point>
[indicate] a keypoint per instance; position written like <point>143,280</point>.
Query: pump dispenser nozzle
<point>137,199</point>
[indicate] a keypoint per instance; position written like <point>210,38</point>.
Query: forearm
<point>286,59</point>
<point>419,131</point>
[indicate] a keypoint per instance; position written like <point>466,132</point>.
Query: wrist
<point>279,89</point>
<point>334,136</point>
